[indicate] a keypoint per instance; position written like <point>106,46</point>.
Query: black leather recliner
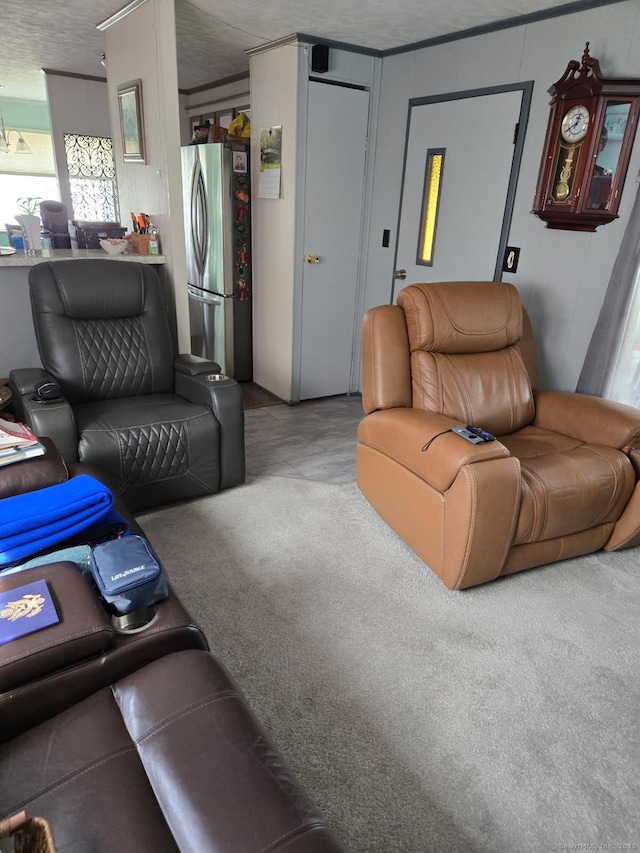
<point>158,425</point>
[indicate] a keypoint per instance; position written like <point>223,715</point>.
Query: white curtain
<point>611,362</point>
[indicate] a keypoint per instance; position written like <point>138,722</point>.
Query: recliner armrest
<point>53,419</point>
<point>66,679</point>
<point>224,397</point>
<point>33,474</point>
<point>83,629</point>
<point>194,365</point>
<point>23,380</point>
<point>584,417</point>
<point>402,433</point>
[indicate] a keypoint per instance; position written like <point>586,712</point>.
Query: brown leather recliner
<point>560,480</point>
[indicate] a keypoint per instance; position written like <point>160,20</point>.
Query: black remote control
<point>463,432</point>
<point>484,435</point>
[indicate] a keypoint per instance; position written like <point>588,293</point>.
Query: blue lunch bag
<point>128,574</point>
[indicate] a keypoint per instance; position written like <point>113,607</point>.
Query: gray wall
<point>562,275</point>
<point>76,106</point>
<point>18,347</point>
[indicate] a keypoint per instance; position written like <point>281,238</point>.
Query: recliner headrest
<point>462,316</point>
<point>78,285</point>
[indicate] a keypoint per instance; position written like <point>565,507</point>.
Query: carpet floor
<point>501,718</point>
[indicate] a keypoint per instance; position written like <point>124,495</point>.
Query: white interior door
<point>336,152</point>
<point>477,136</point>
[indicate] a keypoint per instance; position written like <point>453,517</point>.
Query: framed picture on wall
<point>239,161</point>
<point>131,121</point>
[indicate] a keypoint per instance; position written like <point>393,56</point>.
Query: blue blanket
<point>35,521</point>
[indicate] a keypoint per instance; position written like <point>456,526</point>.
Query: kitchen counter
<point>19,259</point>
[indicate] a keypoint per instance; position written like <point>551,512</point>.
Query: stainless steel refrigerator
<point>216,199</point>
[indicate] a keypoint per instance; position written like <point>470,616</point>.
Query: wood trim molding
<point>223,82</point>
<point>55,73</point>
<point>118,16</point>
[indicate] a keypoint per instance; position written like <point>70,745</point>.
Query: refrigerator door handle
<point>203,210</point>
<point>194,219</point>
<point>199,217</point>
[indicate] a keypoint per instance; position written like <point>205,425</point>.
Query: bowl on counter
<point>114,247</point>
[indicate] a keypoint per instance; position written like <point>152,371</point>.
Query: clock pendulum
<point>564,175</point>
<point>562,189</point>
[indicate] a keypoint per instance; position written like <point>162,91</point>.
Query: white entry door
<point>476,135</point>
<point>336,152</point>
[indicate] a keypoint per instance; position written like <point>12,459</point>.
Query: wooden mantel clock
<point>590,134</point>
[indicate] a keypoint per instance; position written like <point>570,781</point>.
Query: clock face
<point>575,124</point>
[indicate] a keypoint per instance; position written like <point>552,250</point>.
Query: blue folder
<point>26,609</point>
<point>34,521</point>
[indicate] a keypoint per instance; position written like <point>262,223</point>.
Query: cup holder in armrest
<point>215,377</point>
<point>136,621</point>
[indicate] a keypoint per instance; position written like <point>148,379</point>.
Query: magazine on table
<point>8,455</point>
<point>15,435</point>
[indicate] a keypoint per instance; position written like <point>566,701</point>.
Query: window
<point>92,177</point>
<point>14,187</point>
<point>430,206</point>
<point>23,175</point>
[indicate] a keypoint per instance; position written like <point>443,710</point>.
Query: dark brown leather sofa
<point>140,741</point>
<point>560,481</point>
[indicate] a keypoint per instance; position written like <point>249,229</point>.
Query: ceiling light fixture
<point>5,145</point>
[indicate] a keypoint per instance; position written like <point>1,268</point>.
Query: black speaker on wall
<point>320,58</point>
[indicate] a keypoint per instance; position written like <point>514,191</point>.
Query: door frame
<point>373,88</point>
<point>323,86</point>
<point>525,106</point>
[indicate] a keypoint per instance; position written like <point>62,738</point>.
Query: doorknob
<point>313,259</point>
<point>400,274</point>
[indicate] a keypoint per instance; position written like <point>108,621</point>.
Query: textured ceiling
<point>378,24</point>
<point>213,35</point>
